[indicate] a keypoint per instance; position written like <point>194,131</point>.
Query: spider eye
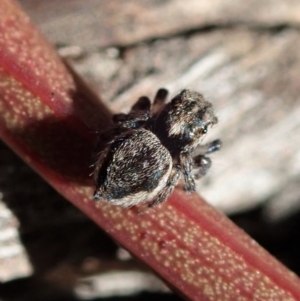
<point>199,131</point>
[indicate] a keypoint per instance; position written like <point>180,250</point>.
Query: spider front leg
<point>203,163</point>
<point>167,190</point>
<point>201,160</point>
<point>208,148</point>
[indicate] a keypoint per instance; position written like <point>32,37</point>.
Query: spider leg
<point>138,115</point>
<point>120,117</point>
<point>203,163</point>
<point>167,190</point>
<point>142,104</point>
<point>159,100</point>
<point>201,160</point>
<point>186,163</point>
<point>208,148</point>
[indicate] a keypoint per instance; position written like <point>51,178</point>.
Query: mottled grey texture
<point>148,150</point>
<point>135,165</point>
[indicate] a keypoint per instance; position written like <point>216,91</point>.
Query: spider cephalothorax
<point>150,147</point>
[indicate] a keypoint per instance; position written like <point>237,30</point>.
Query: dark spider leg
<point>202,161</point>
<point>159,100</point>
<point>130,120</point>
<point>142,104</point>
<point>167,190</point>
<point>138,115</point>
<point>186,164</point>
<point>208,148</point>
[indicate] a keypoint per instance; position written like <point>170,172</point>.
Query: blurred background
<point>243,56</point>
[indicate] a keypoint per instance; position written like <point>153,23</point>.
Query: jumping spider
<point>149,148</point>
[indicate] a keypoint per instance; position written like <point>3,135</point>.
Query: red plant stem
<point>46,114</point>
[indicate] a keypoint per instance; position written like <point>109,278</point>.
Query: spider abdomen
<point>137,167</point>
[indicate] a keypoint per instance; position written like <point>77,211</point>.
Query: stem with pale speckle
<point>46,117</point>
